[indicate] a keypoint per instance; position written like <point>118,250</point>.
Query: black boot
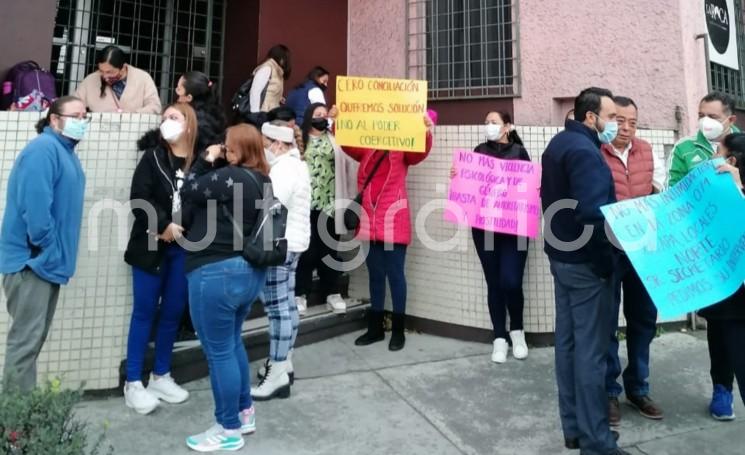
<point>374,329</point>
<point>397,337</point>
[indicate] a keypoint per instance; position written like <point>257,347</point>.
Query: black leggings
<point>503,268</point>
<point>726,351</point>
<point>312,259</point>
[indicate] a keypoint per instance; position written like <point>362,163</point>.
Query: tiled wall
<point>88,337</point>
<point>449,286</point>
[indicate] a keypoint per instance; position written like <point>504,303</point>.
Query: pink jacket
<point>385,215</point>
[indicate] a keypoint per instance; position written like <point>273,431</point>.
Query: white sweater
<point>291,185</point>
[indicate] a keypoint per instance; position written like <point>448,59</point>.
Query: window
<point>728,80</point>
<point>166,38</point>
<point>464,49</point>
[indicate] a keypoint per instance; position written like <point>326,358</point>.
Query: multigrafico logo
<point>718,24</point>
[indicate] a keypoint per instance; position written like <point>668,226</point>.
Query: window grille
<point>728,80</point>
<point>464,48</point>
<point>166,38</point>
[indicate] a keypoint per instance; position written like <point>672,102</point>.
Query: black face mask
<point>323,87</point>
<point>321,124</point>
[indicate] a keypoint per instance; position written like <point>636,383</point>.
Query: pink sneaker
<point>248,420</point>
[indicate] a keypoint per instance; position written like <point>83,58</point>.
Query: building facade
<point>526,57</point>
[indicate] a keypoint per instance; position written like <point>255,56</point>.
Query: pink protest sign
<point>495,195</point>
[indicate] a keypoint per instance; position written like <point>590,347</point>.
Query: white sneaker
<point>336,304</point>
<point>248,420</point>
<point>276,383</point>
<point>216,438</point>
<point>302,305</point>
<point>166,389</point>
<point>139,399</point>
<point>499,355</point>
<point>519,346</point>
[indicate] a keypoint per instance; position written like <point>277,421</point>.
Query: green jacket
<point>689,153</point>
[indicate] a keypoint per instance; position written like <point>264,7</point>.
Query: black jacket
<point>574,169</point>
<point>730,309</point>
<point>211,125</point>
<point>153,182</point>
<point>509,151</point>
<point>218,184</point>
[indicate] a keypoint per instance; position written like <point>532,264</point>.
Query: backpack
<point>266,244</point>
<point>29,86</point>
<point>241,103</point>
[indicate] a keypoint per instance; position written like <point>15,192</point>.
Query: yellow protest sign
<point>382,114</point>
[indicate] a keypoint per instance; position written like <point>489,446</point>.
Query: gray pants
<point>31,305</point>
<point>584,308</point>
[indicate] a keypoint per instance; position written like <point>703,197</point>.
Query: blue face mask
<point>609,133</point>
<point>75,129</point>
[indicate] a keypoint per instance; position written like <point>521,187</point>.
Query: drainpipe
<point>705,37</point>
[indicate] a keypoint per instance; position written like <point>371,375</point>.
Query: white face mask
<point>171,130</point>
<point>493,131</point>
<point>712,129</point>
<point>269,155</point>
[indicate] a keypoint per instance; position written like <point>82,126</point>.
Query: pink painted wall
<point>377,38</point>
<point>694,60</point>
<point>633,47</point>
<point>639,48</point>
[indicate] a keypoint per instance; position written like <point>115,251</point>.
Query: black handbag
<point>266,245</point>
<point>351,217</point>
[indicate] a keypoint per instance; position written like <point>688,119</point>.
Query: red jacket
<point>636,179</point>
<point>385,215</point>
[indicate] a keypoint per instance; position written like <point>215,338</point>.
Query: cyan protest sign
<point>687,243</point>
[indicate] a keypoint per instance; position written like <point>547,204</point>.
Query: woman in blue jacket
<point>309,92</point>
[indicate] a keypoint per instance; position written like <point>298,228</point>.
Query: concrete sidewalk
<point>436,397</point>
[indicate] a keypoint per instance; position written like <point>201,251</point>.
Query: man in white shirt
<point>636,173</point>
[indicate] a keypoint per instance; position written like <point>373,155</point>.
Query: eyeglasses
<point>86,117</point>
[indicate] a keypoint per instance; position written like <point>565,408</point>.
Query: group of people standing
<point>598,160</point>
<point>191,163</point>
<point>194,162</point>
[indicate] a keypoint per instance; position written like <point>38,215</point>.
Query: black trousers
<point>503,266</point>
<point>322,244</point>
<point>727,352</point>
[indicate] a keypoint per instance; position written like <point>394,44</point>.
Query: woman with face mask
<point>309,92</point>
<point>118,86</point>
<point>158,273</point>
<point>332,178</point>
<point>726,320</point>
<point>222,284</point>
<point>501,259</point>
<point>291,184</point>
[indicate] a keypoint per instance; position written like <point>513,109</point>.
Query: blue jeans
<point>641,328</point>
<point>279,304</point>
<point>220,296</point>
<point>387,261</point>
<point>583,309</point>
<point>503,266</point>
<point>165,296</point>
